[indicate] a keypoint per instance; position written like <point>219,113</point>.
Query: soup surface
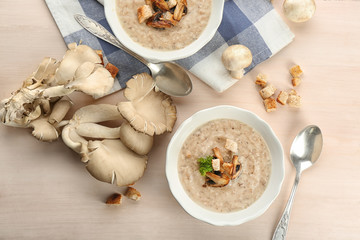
<point>254,156</point>
<point>185,32</point>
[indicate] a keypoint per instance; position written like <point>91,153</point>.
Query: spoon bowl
<point>306,148</point>
<point>305,151</point>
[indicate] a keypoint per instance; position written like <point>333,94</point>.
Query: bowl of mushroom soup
<point>166,33</point>
<point>249,161</point>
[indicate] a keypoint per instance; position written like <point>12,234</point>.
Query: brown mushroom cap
<point>111,161</point>
<point>147,111</point>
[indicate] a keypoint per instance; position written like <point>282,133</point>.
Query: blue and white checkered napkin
<point>253,23</point>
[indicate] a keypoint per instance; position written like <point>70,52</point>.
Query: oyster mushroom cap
<point>147,111</point>
<point>139,142</point>
<point>43,130</point>
<point>299,10</point>
<point>236,57</point>
<point>92,79</point>
<point>73,58</point>
<point>111,161</point>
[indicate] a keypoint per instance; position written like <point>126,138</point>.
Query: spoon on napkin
<point>305,151</point>
<point>169,77</point>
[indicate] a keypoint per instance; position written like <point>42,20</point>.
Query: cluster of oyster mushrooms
<point>112,154</point>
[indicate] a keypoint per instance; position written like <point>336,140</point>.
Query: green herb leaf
<point>205,165</point>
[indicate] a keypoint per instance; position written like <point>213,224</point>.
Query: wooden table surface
<point>46,192</point>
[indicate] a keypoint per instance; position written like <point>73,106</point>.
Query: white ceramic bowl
<point>277,171</point>
<point>163,56</point>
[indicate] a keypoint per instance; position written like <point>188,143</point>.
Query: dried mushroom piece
<point>147,111</point>
<point>161,14</point>
<point>157,21</point>
<point>215,180</point>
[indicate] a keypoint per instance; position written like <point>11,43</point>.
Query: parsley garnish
<point>205,165</point>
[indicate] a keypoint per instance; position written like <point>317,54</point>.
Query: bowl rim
<point>275,181</point>
<point>158,55</point>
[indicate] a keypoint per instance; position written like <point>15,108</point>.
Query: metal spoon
<point>169,77</point>
<point>305,150</point>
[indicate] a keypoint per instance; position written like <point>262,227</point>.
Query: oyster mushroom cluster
<point>119,155</point>
<point>162,14</point>
<point>41,102</point>
<point>115,155</point>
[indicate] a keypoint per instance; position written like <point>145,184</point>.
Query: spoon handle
<point>99,31</point>
<point>281,228</point>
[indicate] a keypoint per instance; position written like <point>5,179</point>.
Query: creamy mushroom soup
<point>254,156</point>
<point>185,32</point>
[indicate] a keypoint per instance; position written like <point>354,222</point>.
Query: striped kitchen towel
<point>253,23</point>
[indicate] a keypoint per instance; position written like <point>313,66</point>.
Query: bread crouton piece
<point>231,145</point>
<point>112,69</point>
<point>267,92</point>
<point>215,163</point>
<point>133,194</point>
<point>282,97</point>
<point>115,198</point>
<point>101,55</point>
<point>261,80</point>
<point>143,13</point>
<point>296,81</point>
<point>296,71</point>
<point>292,92</point>
<point>270,104</point>
<point>294,101</point>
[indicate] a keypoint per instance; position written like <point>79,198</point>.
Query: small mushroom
<point>215,180</point>
<point>237,167</point>
<point>299,10</point>
<point>236,58</point>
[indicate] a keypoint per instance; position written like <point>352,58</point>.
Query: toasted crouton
<point>282,97</point>
<point>296,71</point>
<point>267,91</point>
<point>261,80</point>
<point>292,92</point>
<point>231,145</point>
<point>270,104</point>
<point>143,13</point>
<point>133,194</point>
<point>112,69</point>
<point>115,198</point>
<point>100,54</point>
<point>215,164</point>
<point>294,100</point>
<point>296,81</point>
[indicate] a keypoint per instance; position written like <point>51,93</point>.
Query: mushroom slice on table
<point>147,111</point>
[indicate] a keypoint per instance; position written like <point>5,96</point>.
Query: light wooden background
<point>46,192</point>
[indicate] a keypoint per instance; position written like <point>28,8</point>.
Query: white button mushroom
<point>299,10</point>
<point>235,58</point>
